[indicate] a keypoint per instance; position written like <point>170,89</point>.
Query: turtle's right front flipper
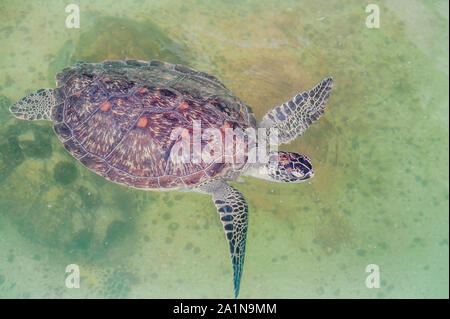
<point>36,106</point>
<point>233,212</point>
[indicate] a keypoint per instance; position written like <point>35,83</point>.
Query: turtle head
<point>289,167</point>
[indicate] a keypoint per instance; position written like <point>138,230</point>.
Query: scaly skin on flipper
<point>233,211</point>
<point>36,106</point>
<point>293,117</point>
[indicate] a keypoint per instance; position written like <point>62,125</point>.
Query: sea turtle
<point>118,117</point>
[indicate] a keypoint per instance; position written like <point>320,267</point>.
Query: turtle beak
<point>308,175</point>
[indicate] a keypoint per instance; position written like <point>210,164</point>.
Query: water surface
<point>380,194</point>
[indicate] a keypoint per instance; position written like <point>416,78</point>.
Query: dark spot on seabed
<point>65,173</point>
<point>112,38</point>
<point>11,156</point>
<point>361,252</point>
<point>40,147</point>
<point>89,199</point>
<point>169,203</point>
<point>81,241</point>
<point>117,232</point>
<point>34,150</point>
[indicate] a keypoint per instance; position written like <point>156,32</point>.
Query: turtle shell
<point>117,118</point>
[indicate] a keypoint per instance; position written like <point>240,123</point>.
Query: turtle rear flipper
<point>36,106</point>
<point>233,212</point>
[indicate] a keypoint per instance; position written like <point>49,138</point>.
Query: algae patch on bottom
<point>112,38</point>
<point>332,231</point>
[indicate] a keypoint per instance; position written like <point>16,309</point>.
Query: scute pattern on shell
<point>116,118</point>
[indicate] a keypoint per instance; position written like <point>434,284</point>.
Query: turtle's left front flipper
<point>36,106</point>
<point>293,117</point>
<point>233,212</point>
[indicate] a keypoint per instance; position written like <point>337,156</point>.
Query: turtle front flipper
<point>36,106</point>
<point>233,212</point>
<point>293,117</point>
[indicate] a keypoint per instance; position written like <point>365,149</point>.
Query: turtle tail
<point>36,106</point>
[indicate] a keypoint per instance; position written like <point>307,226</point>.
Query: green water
<point>380,194</point>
